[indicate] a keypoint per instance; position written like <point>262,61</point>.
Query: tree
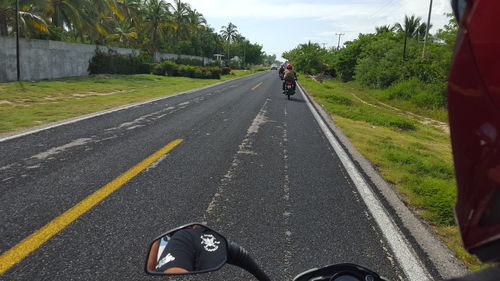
<point>158,18</point>
<point>30,19</point>
<point>180,13</point>
<point>124,33</point>
<point>63,12</point>
<point>229,33</point>
<point>309,58</point>
<point>412,26</point>
<point>152,25</point>
<point>384,29</point>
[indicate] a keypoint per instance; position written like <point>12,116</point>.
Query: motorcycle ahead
<point>195,248</point>
<point>289,89</point>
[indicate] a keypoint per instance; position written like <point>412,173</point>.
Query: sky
<point>281,25</point>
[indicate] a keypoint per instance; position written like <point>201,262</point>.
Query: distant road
<point>237,156</point>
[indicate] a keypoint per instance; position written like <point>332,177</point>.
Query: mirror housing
<point>458,7</point>
<point>189,249</point>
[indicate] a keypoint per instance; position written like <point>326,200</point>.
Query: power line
<point>382,8</point>
<point>386,9</point>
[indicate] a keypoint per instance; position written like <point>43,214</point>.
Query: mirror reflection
<point>191,249</point>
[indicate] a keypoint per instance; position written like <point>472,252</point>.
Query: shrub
<point>190,70</point>
<point>402,124</point>
<point>404,90</point>
<point>157,69</point>
<point>226,70</point>
<point>188,61</point>
<point>114,63</point>
<point>197,73</point>
<point>182,71</point>
<point>234,64</point>
<point>413,90</point>
<point>339,100</point>
<point>172,69</point>
<point>169,68</point>
<point>216,72</point>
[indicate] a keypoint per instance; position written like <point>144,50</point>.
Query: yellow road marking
<point>256,86</point>
<point>35,240</point>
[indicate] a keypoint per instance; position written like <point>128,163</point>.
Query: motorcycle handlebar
<point>238,256</point>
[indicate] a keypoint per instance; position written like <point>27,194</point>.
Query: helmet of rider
<point>474,115</point>
<point>289,66</point>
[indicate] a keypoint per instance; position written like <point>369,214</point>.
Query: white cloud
<point>276,10</point>
<point>319,19</point>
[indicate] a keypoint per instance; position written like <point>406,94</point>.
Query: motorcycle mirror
<point>458,7</point>
<point>189,249</point>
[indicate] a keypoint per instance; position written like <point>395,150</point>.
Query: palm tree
<point>422,30</point>
<point>7,12</point>
<point>131,10</point>
<point>157,17</point>
<point>196,21</point>
<point>97,20</point>
<point>124,33</point>
<point>180,17</point>
<point>63,12</point>
<point>410,27</point>
<point>385,29</point>
<point>229,33</point>
<point>28,17</point>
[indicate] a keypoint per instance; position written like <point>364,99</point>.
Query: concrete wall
<point>45,59</point>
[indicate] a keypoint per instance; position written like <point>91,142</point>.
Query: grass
<point>414,157</point>
<point>27,104</point>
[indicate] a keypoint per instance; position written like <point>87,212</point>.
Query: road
<point>247,162</point>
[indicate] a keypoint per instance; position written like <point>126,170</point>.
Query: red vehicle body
<point>474,114</point>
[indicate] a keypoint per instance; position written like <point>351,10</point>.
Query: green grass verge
<point>414,157</point>
<point>27,104</point>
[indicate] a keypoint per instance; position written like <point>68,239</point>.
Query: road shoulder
<point>439,258</point>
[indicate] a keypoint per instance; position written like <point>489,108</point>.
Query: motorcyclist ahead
<point>289,75</point>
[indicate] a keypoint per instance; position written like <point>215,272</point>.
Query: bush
<point>169,68</point>
<point>157,69</point>
<point>187,61</point>
<point>418,93</point>
<point>404,90</point>
<point>339,100</point>
<point>114,63</point>
<point>226,71</point>
<point>172,69</point>
<point>234,64</point>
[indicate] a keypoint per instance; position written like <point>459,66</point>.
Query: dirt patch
<point>91,93</point>
<point>361,100</point>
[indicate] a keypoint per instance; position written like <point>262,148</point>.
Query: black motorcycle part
<point>238,256</point>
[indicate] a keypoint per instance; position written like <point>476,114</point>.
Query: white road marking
<point>244,148</point>
<point>92,115</point>
<point>59,149</point>
<point>408,260</point>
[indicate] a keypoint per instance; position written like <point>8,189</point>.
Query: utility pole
<point>427,30</point>
<point>406,38</point>
<point>339,35</point>
<point>17,41</point>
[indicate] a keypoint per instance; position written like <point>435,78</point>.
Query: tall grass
<point>415,158</point>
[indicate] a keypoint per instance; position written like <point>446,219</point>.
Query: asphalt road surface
<point>248,162</point>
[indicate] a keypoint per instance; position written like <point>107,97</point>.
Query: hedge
<point>114,63</point>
